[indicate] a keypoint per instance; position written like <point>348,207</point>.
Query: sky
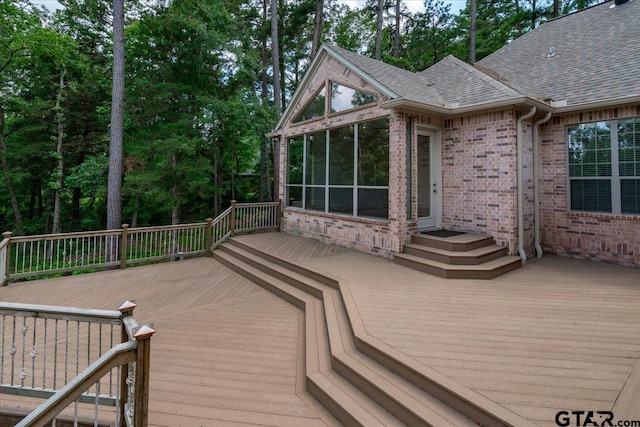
<point>412,5</point>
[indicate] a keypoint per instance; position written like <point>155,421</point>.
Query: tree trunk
<point>275,56</point>
<point>556,8</point>
<point>17,216</point>
<point>472,36</point>
<point>264,94</point>
<point>114,189</point>
<point>379,30</point>
<point>57,208</point>
<point>396,34</point>
<point>114,181</point>
<point>317,28</point>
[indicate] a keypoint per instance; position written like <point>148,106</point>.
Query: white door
<point>429,182</point>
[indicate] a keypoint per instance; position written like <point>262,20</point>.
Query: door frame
<point>435,166</point>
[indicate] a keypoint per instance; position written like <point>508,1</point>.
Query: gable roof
<point>596,56</point>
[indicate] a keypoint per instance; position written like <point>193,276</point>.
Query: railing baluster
<point>66,352</point>
<point>13,350</point>
<point>55,356</point>
<point>4,321</point>
<point>44,354</point>
<point>33,353</point>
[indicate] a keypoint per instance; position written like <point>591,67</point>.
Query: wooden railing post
<point>123,246</point>
<point>233,218</point>
<point>209,236</point>
<point>279,214</point>
<point>7,261</point>
<point>143,356</point>
<point>126,310</point>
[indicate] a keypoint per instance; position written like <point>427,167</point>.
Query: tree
<point>317,27</point>
<point>114,187</point>
<point>275,56</point>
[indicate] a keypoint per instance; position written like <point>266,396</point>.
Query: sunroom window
<point>341,98</point>
<point>345,170</point>
<point>604,166</point>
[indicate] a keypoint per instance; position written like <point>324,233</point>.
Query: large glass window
<point>315,107</point>
<point>346,170</point>
<point>344,98</point>
<point>604,166</point>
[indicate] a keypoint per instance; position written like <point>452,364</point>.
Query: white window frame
<point>615,178</point>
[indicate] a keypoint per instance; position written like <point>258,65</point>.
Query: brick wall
<point>601,237</point>
<point>479,175</point>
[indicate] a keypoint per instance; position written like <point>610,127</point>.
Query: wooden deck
<point>558,334</point>
<point>226,351</point>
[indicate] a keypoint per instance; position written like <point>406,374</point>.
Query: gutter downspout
<point>521,251</point>
<point>536,186</point>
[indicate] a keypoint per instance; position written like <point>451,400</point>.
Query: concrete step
<point>471,257</point>
<point>486,270</point>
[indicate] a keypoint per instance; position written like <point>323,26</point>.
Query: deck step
<point>463,256</point>
<point>487,270</point>
<point>409,404</point>
<point>345,401</point>
<point>459,243</point>
<point>470,257</point>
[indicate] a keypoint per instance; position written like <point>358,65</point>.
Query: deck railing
<point>32,256</point>
<point>4,258</point>
<point>92,366</point>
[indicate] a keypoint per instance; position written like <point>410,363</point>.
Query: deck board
<point>556,334</point>
<point>226,351</point>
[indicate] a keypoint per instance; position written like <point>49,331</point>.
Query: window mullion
<point>616,201</point>
<point>326,171</point>
<point>304,170</point>
<point>355,170</point>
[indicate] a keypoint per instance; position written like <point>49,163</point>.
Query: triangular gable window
<point>315,108</point>
<point>344,98</point>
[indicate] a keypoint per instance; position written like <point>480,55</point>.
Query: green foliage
<point>199,94</point>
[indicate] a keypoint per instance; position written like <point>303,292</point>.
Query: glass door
<point>428,170</point>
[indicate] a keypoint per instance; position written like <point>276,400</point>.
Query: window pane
<point>590,147</point>
<point>341,200</point>
<point>295,154</point>
<point>373,153</point>
<point>315,108</point>
<point>591,195</point>
<point>294,196</point>
<point>315,198</point>
<point>345,98</point>
<point>316,158</point>
<point>630,195</point>
<point>341,156</point>
<point>373,202</point>
<point>629,147</point>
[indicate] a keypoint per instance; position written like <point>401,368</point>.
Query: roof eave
<point>603,103</point>
<point>452,110</point>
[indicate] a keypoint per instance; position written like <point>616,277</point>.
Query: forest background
<point>204,82</point>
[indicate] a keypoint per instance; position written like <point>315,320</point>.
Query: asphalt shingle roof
<point>404,83</point>
<point>597,56</point>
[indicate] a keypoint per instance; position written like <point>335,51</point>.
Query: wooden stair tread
<point>343,364</point>
<point>459,243</point>
<point>470,253</point>
<point>485,266</point>
<point>352,402</point>
<point>408,402</point>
